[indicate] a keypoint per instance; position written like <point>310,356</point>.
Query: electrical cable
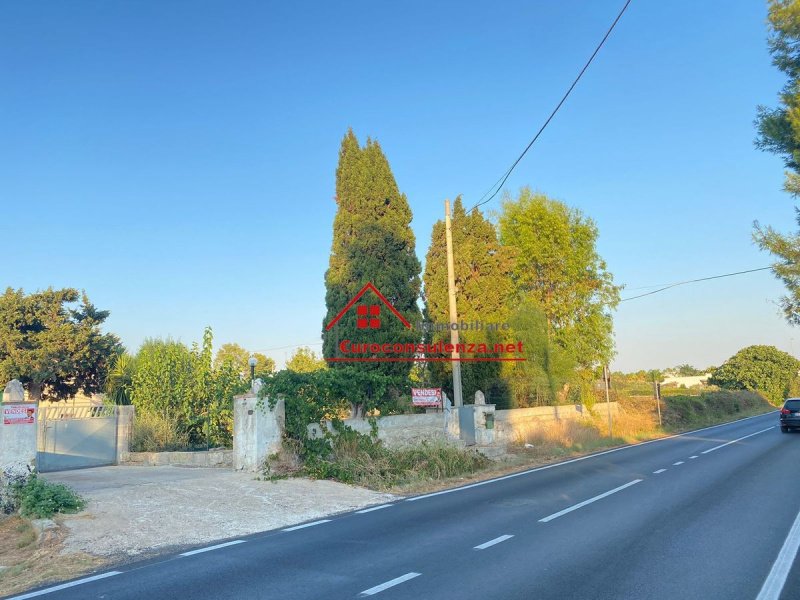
<point>503,179</point>
<point>672,285</point>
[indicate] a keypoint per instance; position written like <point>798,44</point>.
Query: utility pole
<point>607,379</point>
<point>657,394</point>
<point>451,293</point>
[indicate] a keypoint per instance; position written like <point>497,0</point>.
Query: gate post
<point>17,431</point>
<point>125,417</point>
<point>257,431</point>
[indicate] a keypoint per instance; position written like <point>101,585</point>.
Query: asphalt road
<point>710,514</point>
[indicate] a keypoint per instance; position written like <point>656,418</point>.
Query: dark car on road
<point>790,414</point>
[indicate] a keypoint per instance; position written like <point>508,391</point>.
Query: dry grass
<point>30,561</point>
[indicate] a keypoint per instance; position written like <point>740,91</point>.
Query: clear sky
<point>176,159</point>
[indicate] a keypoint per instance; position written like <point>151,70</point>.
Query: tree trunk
<point>35,391</point>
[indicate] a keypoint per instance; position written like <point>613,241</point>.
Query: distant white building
<point>687,382</point>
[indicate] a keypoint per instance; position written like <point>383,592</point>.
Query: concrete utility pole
<point>451,293</point>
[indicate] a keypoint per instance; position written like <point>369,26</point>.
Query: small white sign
<point>19,414</point>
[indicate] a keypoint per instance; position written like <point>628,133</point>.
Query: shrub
<point>362,460</point>
<point>154,433</point>
<point>9,483</point>
<point>680,412</point>
<point>40,499</point>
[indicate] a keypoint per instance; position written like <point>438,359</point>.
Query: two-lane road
<point>709,514</point>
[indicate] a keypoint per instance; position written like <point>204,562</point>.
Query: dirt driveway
<point>134,510</point>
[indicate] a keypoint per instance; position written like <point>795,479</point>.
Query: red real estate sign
<point>426,396</point>
<point>19,414</point>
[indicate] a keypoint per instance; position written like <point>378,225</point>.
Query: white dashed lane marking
<point>64,586</point>
<point>659,471</point>
<point>496,540</point>
<point>209,548</point>
<point>366,510</point>
<point>736,440</point>
<point>304,525</point>
<point>675,464</point>
<point>391,583</point>
<point>561,513</point>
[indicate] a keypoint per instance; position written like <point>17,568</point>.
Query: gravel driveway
<point>133,510</point>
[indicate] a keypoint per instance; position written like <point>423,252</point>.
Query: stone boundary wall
<point>211,458</point>
<point>510,425</point>
<point>398,431</point>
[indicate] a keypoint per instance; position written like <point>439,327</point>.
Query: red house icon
<point>368,315</point>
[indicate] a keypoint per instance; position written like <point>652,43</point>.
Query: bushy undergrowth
<point>681,412</point>
<point>352,457</point>
<point>153,433</point>
<point>37,498</point>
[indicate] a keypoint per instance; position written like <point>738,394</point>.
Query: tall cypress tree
<point>372,242</point>
<point>483,290</point>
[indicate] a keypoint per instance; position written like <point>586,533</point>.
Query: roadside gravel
<point>138,510</point>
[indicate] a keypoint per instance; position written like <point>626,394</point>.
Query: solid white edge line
<point>675,464</point>
<point>490,543</point>
<point>659,471</point>
<point>366,510</point>
<point>773,584</point>
<point>390,583</point>
<point>64,586</point>
<point>580,458</point>
<point>569,509</point>
<point>304,525</point>
<point>736,440</point>
<point>209,548</point>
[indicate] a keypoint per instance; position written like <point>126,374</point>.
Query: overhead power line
<point>672,285</point>
<point>500,182</point>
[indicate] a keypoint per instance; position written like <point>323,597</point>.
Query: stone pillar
<point>125,418</point>
<point>257,432</point>
<point>484,424</point>
<point>18,428</point>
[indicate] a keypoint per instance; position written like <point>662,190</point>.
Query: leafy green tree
<point>482,270</point>
<point>763,369</point>
<point>264,364</point>
<point>779,128</point>
<point>240,359</point>
<point>779,133</point>
<point>548,368</point>
<point>182,386</point>
<point>686,370</point>
<point>53,343</point>
<point>305,360</point>
<point>558,268</point>
<point>372,242</point>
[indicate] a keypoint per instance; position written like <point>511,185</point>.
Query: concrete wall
<point>212,458</point>
<point>257,432</point>
<point>398,431</point>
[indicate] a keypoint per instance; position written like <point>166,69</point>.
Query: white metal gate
<point>73,437</point>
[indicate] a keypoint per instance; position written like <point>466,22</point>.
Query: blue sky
<point>176,159</point>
